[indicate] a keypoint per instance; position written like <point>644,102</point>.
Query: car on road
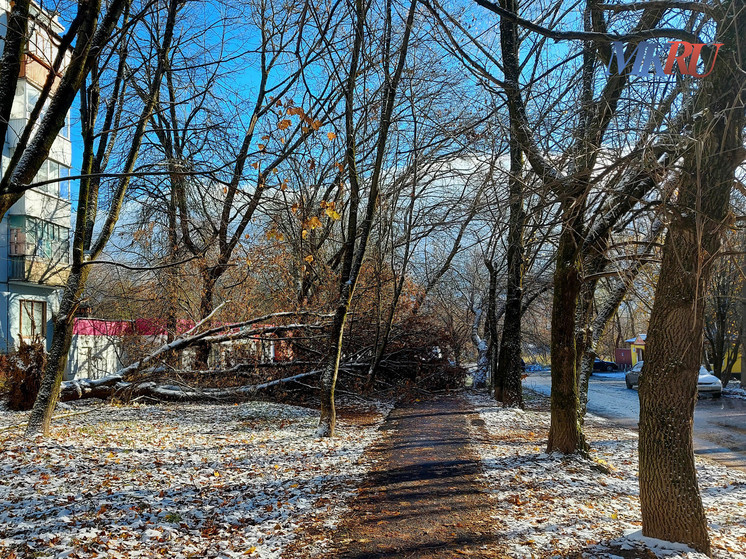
<point>601,365</point>
<point>706,383</point>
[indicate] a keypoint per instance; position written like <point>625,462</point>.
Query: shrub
<point>21,375</point>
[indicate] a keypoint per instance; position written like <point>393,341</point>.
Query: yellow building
<point>637,346</point>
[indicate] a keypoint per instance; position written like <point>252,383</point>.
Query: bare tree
<point>87,247</point>
<point>671,505</point>
<point>358,235</point>
<point>47,118</point>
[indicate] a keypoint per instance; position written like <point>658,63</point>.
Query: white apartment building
<point>35,233</point>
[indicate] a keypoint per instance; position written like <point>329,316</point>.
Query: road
<point>719,424</point>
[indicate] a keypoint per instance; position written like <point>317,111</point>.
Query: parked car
<point>601,365</point>
<point>706,383</point>
<point>632,378</point>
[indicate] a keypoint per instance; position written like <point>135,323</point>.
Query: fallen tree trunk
<point>114,386</point>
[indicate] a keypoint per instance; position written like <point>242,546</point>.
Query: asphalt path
<point>719,423</point>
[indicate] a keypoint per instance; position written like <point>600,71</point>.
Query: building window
<point>32,98</point>
<point>33,320</point>
<point>33,237</point>
<point>51,170</point>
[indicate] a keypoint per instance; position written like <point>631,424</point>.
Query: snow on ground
<point>734,390</point>
<point>177,481</point>
<point>549,505</point>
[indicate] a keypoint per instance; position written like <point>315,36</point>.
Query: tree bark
<point>206,306</point>
<point>494,381</point>
<point>40,420</point>
<point>565,432</point>
<point>671,505</point>
<point>509,364</point>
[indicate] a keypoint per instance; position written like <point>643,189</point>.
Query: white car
<point>706,383</point>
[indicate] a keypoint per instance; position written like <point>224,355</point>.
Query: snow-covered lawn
<point>175,481</point>
<point>557,506</point>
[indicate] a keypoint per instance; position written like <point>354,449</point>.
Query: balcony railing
<point>36,270</point>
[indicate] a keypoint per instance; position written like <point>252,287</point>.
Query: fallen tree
<point>117,387</point>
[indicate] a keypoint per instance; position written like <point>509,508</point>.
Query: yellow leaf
<point>304,233</point>
<point>314,222</point>
<point>308,259</point>
<point>216,474</point>
<point>332,214</point>
<point>331,135</point>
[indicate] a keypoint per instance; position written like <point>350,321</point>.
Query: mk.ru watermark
<point>683,55</point>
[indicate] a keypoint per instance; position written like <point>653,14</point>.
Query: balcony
<point>60,151</point>
<point>36,270</point>
<point>36,70</point>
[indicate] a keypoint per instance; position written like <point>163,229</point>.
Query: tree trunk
<point>496,382</point>
<point>743,333</point>
<point>671,505</point>
<point>206,306</point>
<point>354,256</point>
<point>565,432</point>
<point>483,359</point>
<point>41,414</point>
<point>669,496</point>
<point>328,380</point>
<point>509,369</point>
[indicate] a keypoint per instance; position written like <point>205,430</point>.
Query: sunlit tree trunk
<point>669,496</point>
<point>41,414</point>
<point>565,433</point>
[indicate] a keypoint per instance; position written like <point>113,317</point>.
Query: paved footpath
<point>423,498</point>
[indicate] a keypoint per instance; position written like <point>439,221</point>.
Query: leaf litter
<point>551,505</point>
<point>176,480</point>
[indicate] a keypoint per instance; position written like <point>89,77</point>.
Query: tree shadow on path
<point>423,498</point>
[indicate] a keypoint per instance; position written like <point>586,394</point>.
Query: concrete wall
<point>93,357</point>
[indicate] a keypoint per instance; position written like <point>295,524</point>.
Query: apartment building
<point>35,232</point>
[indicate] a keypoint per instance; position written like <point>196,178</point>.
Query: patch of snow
<point>613,374</point>
<point>176,480</point>
<point>552,505</point>
<point>734,391</point>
